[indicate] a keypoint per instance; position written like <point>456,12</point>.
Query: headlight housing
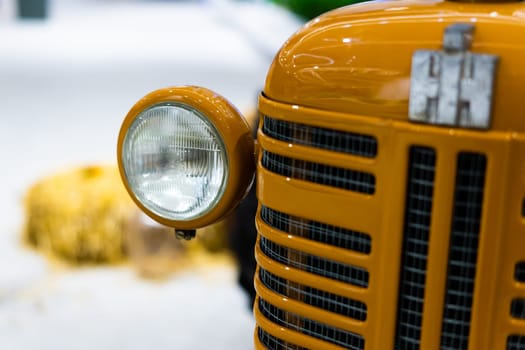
<point>186,156</point>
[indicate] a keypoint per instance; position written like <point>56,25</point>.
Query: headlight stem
<point>186,235</point>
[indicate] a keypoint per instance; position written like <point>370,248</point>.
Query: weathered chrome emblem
<point>454,86</point>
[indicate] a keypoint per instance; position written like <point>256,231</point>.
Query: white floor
<point>65,86</point>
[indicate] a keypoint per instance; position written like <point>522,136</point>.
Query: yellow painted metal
<point>232,128</point>
<point>381,215</point>
<point>357,59</point>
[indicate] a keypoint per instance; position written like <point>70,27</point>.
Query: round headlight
<point>175,161</point>
<point>186,156</point>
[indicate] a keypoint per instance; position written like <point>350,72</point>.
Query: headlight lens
<point>174,161</point>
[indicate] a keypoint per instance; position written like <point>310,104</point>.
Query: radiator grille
<point>314,297</point>
<point>310,263</point>
<point>516,342</point>
<point>517,308</point>
<point>312,328</point>
<point>316,231</point>
<point>346,179</point>
<point>463,251</point>
<point>274,343</point>
<point>420,189</point>
<point>333,140</point>
<point>519,273</point>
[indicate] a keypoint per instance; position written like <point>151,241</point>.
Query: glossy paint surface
<point>349,70</point>
<point>357,59</point>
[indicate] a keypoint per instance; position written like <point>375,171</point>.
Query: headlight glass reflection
<point>174,161</point>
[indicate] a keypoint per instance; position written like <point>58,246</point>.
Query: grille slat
<point>274,343</point>
<point>357,276</point>
<point>347,179</point>
<point>314,297</point>
<point>316,231</point>
<point>463,250</point>
<point>329,139</point>
<point>311,328</point>
<point>420,188</point>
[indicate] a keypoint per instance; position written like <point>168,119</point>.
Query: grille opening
<point>463,250</point>
<point>516,342</point>
<point>517,308</point>
<point>351,180</point>
<point>420,190</point>
<point>314,297</point>
<point>523,208</point>
<point>357,276</point>
<point>329,139</point>
<point>519,273</point>
<point>274,343</point>
<point>316,231</point>
<point>312,328</point>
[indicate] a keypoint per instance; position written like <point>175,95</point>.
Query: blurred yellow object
<point>86,216</point>
<point>79,215</point>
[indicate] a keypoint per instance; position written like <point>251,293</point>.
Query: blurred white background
<point>66,83</point>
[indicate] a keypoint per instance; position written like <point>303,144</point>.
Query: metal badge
<point>454,86</point>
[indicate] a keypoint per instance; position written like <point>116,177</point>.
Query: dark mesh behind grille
<point>316,231</point>
<point>333,140</point>
<point>463,251</point>
<point>273,343</point>
<point>517,308</point>
<point>314,297</point>
<point>312,328</point>
<point>523,208</point>
<point>420,189</point>
<point>346,179</point>
<point>516,342</point>
<point>310,263</point>
<point>519,273</point>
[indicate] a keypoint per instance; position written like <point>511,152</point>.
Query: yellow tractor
<point>390,171</point>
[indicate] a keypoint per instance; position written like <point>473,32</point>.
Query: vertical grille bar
<point>463,251</point>
<point>420,189</point>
